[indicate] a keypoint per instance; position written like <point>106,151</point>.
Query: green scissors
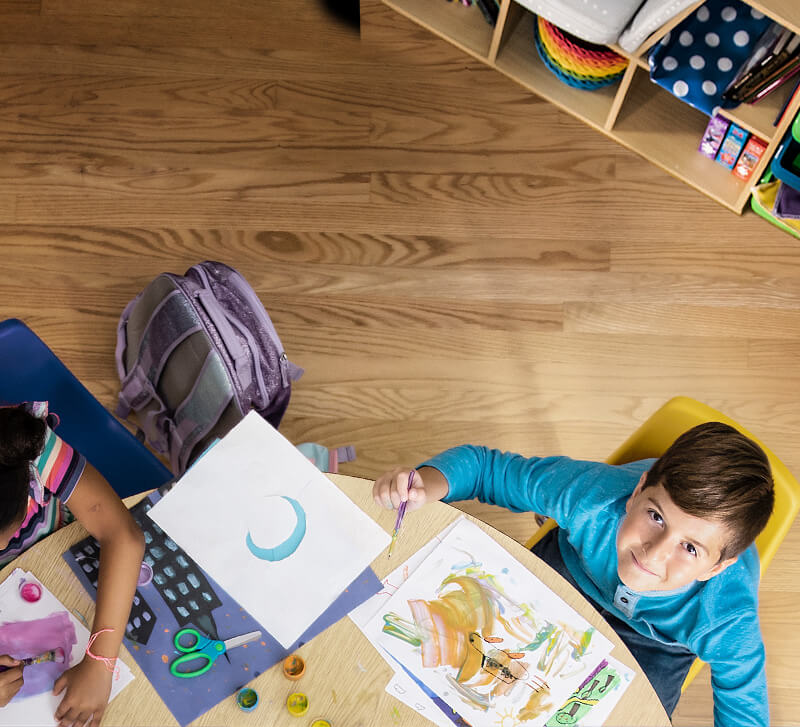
<point>203,649</point>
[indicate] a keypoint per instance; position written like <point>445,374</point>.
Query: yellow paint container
<point>297,704</point>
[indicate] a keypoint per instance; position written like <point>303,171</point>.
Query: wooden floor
<point>450,259</point>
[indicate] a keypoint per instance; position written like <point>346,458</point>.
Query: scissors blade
<point>239,640</point>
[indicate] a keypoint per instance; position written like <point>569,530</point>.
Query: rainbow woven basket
<point>576,62</point>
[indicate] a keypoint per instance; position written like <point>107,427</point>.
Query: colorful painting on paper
<point>486,635</point>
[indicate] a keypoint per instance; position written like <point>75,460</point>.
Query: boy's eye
<point>655,516</point>
<point>691,549</point>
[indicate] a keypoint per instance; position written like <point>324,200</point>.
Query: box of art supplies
<point>751,154</point>
<point>713,135</point>
<point>731,146</point>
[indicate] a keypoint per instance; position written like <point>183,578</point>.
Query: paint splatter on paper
<point>486,635</point>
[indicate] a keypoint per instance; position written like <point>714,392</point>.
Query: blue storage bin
<point>785,164</point>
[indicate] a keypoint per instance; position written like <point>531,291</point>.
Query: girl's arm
<point>98,508</point>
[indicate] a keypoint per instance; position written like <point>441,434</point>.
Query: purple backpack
<point>195,353</point>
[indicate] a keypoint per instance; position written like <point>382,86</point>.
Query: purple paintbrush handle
<point>401,511</point>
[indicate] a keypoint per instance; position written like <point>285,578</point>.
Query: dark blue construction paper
<point>188,698</point>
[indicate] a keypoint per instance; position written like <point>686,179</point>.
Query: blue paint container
<point>247,699</point>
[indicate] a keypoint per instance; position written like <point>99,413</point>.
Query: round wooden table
<point>345,677</point>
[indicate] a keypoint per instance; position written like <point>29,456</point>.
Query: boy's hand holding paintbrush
<point>405,489</point>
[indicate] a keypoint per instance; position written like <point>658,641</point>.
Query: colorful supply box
<point>732,146</point>
<point>749,158</point>
<point>713,136</point>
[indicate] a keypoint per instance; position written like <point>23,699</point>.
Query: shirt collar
<point>39,409</point>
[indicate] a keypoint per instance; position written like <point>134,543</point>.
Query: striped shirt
<point>54,474</point>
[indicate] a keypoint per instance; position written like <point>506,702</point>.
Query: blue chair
<point>30,371</point>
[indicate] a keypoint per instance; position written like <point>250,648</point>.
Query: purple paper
<point>787,202</point>
<point>24,639</point>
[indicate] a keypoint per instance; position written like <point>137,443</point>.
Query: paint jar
<point>29,591</point>
<point>293,667</point>
<point>320,723</point>
<point>247,699</point>
<point>297,704</point>
<point>145,574</point>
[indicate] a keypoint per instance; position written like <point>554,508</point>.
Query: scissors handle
<point>201,650</point>
<point>196,640</point>
<point>195,656</point>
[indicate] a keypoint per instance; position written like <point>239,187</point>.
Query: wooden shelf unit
<point>635,112</point>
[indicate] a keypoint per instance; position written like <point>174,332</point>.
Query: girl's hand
<point>391,488</point>
<point>11,680</point>
<point>88,686</point>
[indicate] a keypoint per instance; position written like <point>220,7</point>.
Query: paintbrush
<point>56,655</point>
<point>401,513</point>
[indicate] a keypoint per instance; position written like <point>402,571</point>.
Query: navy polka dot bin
<point>700,56</point>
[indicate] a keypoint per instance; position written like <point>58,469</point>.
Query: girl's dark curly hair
<point>21,441</point>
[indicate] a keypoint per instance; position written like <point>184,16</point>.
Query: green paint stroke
<point>585,697</point>
<point>395,625</point>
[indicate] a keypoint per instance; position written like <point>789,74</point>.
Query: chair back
<point>30,371</point>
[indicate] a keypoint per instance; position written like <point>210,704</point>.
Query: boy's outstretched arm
<point>88,684</point>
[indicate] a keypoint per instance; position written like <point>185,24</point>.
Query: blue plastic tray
<point>785,164</point>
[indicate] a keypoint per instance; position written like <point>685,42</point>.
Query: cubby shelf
<point>634,112</point>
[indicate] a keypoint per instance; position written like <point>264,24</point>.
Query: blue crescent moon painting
<point>288,546</point>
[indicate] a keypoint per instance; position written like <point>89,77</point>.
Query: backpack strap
<point>122,337</point>
<point>199,412</point>
<point>171,323</point>
<point>238,353</point>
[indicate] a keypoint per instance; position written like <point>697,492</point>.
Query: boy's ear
<point>636,491</point>
<point>718,568</point>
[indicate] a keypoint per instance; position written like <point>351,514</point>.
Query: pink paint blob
<point>30,592</point>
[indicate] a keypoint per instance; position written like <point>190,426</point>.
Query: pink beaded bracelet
<point>110,662</point>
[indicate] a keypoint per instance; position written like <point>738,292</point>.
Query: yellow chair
<point>655,435</point>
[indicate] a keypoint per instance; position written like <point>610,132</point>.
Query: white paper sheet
<point>401,686</point>
<point>38,711</point>
<point>470,585</point>
<point>239,513</point>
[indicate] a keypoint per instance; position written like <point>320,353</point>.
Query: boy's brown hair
<point>714,472</point>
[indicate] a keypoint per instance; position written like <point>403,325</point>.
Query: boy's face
<point>660,547</point>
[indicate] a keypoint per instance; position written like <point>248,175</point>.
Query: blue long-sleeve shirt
<point>716,619</point>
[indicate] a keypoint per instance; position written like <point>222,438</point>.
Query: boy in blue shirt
<point>663,549</point>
